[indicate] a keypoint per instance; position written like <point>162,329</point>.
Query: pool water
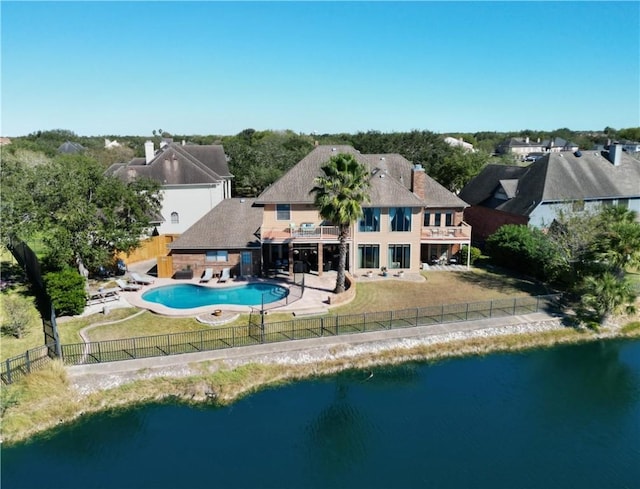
<point>187,296</point>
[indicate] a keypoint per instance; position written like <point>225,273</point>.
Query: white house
<point>194,180</point>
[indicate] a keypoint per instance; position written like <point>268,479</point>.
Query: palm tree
<point>339,195</point>
<point>619,243</point>
<point>607,293</point>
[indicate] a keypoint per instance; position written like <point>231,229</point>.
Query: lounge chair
<point>127,285</point>
<point>207,275</point>
<point>138,279</point>
<point>225,275</point>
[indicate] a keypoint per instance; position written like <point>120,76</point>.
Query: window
<point>175,218</point>
<point>400,256</point>
<point>400,218</point>
<point>427,218</point>
<point>438,219</point>
<point>370,220</point>
<point>368,256</point>
<point>217,255</point>
<point>623,203</point>
<point>283,212</point>
<point>578,206</point>
<point>448,219</point>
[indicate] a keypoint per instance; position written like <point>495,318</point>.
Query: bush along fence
<point>256,333</point>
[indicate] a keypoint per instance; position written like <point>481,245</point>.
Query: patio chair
<point>138,279</point>
<point>207,275</point>
<point>127,285</point>
<point>225,275</point>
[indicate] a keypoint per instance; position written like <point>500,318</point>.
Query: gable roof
<point>69,147</point>
<point>178,165</point>
<point>391,179</point>
<point>233,223</point>
<point>556,177</point>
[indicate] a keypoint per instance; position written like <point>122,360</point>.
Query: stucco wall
<point>190,203</point>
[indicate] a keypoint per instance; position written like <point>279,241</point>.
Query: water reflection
<point>593,375</point>
<point>564,417</point>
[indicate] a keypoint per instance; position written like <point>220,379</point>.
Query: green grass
<point>475,285</point>
<point>439,288</point>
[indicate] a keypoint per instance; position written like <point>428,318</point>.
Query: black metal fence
<point>17,367</point>
<point>255,333</point>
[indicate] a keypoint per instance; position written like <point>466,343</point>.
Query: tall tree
<point>81,213</point>
<point>339,195</point>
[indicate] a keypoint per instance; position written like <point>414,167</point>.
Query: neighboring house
<point>410,220</point>
<point>226,237</point>
<point>459,142</point>
<point>557,182</point>
<point>70,147</point>
<point>194,180</point>
<point>108,144</point>
<point>522,147</point>
<point>4,141</point>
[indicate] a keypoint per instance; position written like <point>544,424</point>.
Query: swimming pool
<point>187,296</point>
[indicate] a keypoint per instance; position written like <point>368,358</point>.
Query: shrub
<point>16,316</point>
<point>473,255</point>
<point>67,291</point>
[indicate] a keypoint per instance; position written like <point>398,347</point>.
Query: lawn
<point>474,285</point>
<point>439,288</point>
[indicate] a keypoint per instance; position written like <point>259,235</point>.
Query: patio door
<point>246,264</point>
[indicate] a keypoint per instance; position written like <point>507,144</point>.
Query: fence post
<point>135,349</point>
<point>27,362</point>
<point>233,336</point>
<point>9,380</point>
<point>321,326</point>
<point>99,352</point>
<point>337,331</point>
<point>514,306</point>
<point>491,309</point>
<point>201,341</point>
<point>466,314</point>
<point>168,344</point>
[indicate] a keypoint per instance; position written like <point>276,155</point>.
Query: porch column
<point>320,260</point>
<point>290,245</point>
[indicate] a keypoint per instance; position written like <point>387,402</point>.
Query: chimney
<point>418,180</point>
<point>527,140</point>
<point>149,152</point>
<point>615,154</point>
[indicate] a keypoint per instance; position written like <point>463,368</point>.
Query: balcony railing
<point>301,233</point>
<point>462,232</point>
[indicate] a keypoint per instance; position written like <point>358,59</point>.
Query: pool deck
<point>315,300</point>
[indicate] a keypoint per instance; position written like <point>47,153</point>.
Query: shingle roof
<point>69,147</point>
<point>557,177</point>
<point>394,189</point>
<point>178,165</point>
<point>233,223</point>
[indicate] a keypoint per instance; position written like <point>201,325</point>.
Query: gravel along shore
<point>343,350</point>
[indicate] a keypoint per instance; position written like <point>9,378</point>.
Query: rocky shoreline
<point>304,356</point>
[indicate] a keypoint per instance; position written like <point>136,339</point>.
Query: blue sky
<point>126,68</point>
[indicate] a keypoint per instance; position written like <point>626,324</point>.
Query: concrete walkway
<point>115,373</point>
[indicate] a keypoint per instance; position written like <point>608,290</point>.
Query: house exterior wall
<point>385,237</point>
<point>196,260</point>
<point>191,203</point>
<point>544,214</point>
<point>485,221</point>
<point>300,213</point>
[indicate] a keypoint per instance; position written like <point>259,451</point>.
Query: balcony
<point>446,234</point>
<point>300,234</point>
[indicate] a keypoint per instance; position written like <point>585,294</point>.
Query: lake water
<point>567,417</point>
